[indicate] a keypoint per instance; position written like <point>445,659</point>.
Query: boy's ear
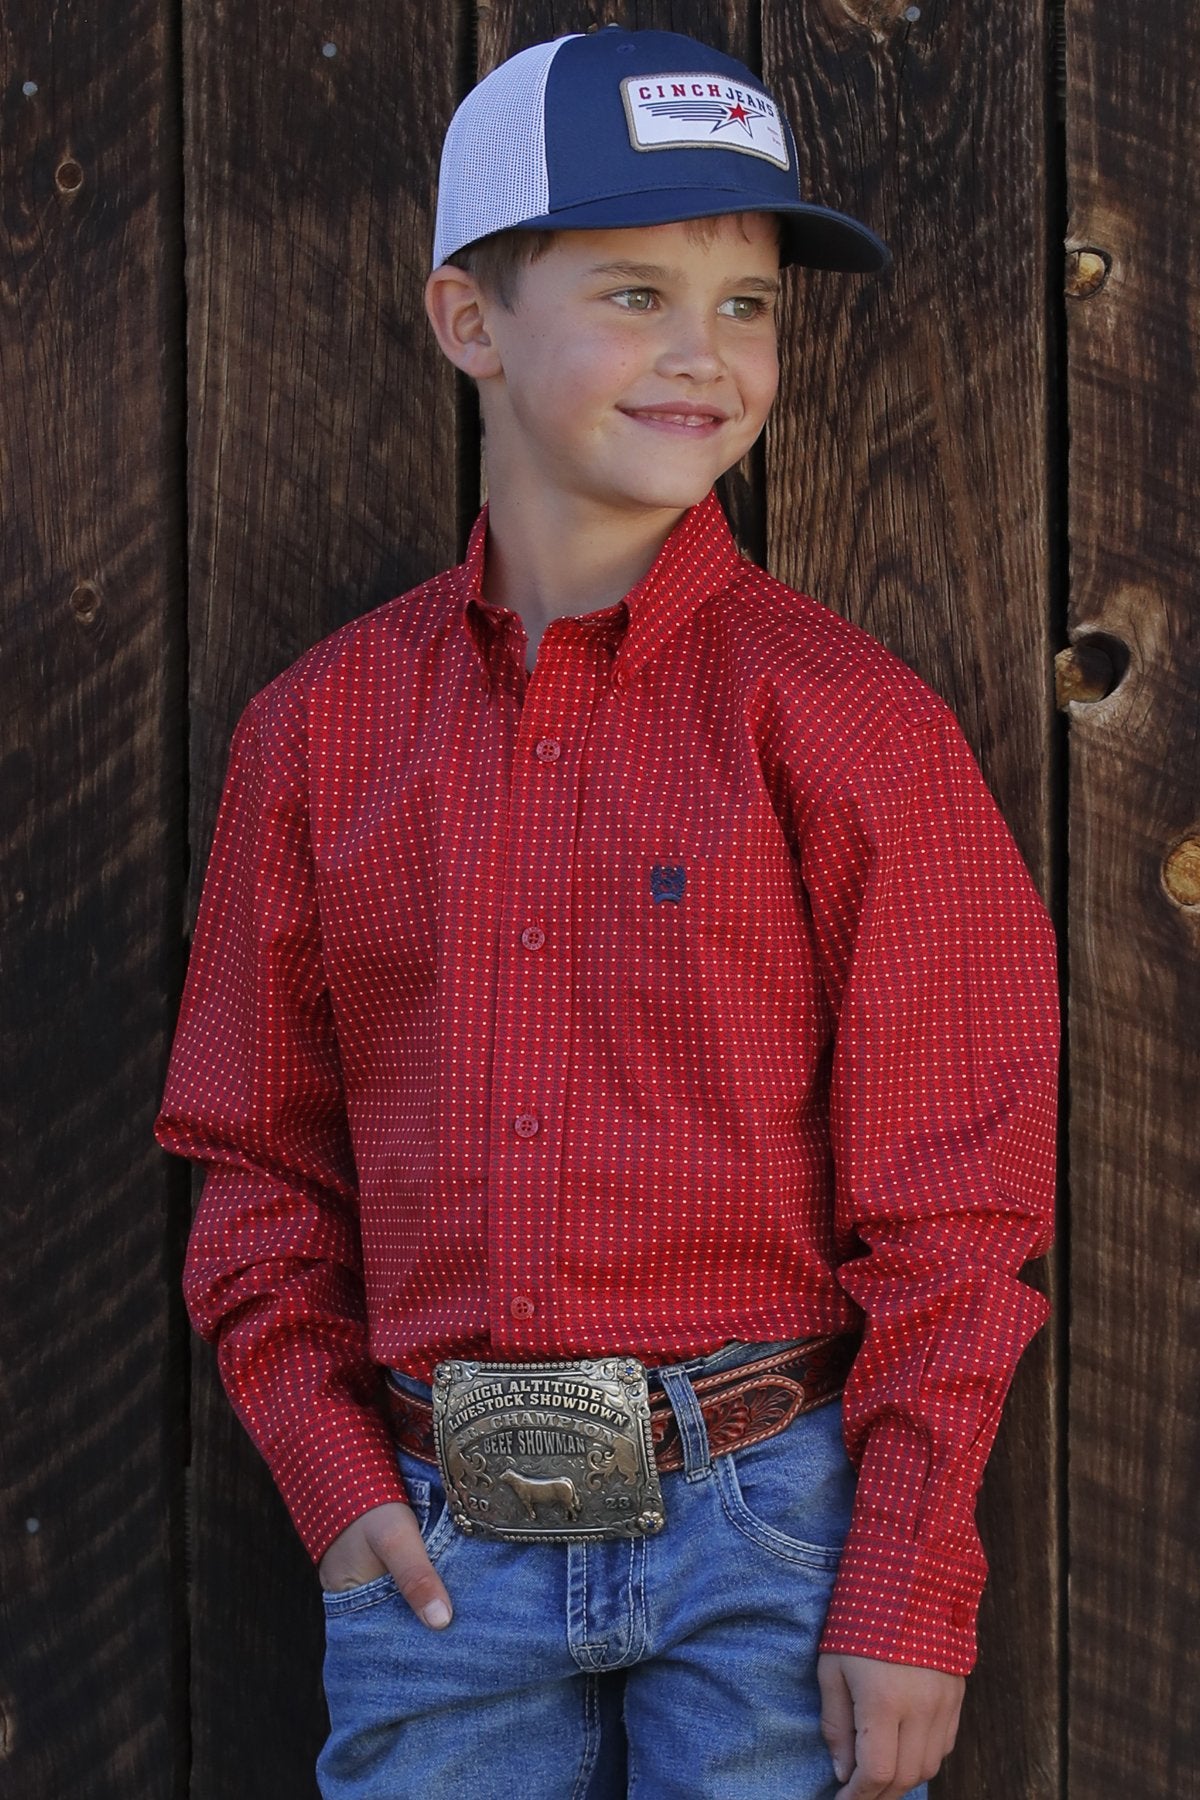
<point>457,311</point>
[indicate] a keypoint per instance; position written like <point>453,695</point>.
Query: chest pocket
<point>693,911</point>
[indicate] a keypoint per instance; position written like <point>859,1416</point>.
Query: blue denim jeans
<point>677,1667</point>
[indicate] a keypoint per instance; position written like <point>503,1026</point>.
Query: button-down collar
<point>698,560</point>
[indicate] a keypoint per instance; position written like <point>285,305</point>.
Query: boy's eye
<point>634,294</point>
<point>756,305</point>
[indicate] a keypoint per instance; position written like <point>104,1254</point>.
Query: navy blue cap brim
<point>816,237</point>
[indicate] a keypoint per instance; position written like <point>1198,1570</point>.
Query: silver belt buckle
<point>557,1452</point>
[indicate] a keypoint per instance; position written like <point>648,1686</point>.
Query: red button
<point>548,750</point>
<point>533,937</point>
<point>522,1307</point>
<point>527,1125</point>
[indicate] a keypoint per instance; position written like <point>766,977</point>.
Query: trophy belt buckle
<point>552,1452</point>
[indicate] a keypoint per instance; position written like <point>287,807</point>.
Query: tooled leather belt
<point>741,1406</point>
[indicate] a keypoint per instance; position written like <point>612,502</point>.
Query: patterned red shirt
<point>691,988</point>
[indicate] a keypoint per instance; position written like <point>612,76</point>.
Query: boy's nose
<point>692,345</point>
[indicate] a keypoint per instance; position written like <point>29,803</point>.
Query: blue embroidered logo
<point>666,881</point>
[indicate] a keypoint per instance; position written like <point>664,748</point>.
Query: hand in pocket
<point>387,1541</point>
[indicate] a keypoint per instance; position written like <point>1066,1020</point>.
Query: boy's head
<point>620,128</point>
<point>613,212</point>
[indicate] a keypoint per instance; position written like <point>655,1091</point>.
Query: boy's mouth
<point>695,421</point>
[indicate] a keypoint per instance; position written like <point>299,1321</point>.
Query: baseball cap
<point>620,128</point>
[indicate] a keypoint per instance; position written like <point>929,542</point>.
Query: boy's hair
<point>496,261</point>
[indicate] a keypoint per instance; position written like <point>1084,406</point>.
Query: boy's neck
<point>554,555</point>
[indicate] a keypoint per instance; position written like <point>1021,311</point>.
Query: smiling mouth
<point>679,420</point>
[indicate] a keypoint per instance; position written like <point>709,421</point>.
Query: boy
<point>626,1078</point>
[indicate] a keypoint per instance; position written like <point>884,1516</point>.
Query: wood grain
<point>1133,312</point>
<point>324,479</point>
<point>91,730</point>
<point>910,475</point>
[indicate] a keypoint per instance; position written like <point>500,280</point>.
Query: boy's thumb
<point>424,1593</point>
<point>403,1552</point>
<point>415,1577</point>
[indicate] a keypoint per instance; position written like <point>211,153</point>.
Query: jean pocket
<point>361,1597</point>
<point>792,1493</point>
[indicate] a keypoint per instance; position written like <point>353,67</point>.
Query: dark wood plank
<point>909,480</point>
<point>1133,277</point>
<point>91,735</point>
<point>324,479</point>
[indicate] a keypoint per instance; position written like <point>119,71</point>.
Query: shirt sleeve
<point>273,1271</point>
<point>939,958</point>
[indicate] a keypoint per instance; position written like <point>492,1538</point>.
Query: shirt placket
<point>535,989</point>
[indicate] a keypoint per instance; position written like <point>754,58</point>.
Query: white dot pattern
<point>690,988</point>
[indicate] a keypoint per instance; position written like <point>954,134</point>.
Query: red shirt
<point>693,988</point>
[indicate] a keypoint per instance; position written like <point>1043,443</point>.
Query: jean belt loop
<point>693,1432</point>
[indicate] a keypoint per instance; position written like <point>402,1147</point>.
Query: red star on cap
<point>737,115</point>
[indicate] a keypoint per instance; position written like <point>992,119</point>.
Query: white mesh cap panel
<point>493,170</point>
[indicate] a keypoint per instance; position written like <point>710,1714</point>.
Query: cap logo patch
<point>702,112</point>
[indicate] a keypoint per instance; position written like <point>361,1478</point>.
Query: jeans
<point>675,1667</point>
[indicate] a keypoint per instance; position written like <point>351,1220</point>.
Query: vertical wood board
<point>1133,307</point>
<point>91,569</point>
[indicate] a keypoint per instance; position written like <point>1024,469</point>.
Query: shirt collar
<point>698,560</point>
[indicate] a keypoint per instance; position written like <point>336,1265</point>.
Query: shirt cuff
<point>333,1470</point>
<point>901,1602</point>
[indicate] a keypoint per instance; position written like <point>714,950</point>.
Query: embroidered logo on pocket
<point>666,881</point>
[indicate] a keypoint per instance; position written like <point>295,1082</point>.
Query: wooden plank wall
<point>1131,687</point>
<point>222,413</point>
<point>91,865</point>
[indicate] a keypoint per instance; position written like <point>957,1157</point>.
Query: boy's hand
<point>888,1725</point>
<point>387,1540</point>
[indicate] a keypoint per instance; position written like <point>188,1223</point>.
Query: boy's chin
<point>675,494</point>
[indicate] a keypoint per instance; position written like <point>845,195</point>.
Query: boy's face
<point>566,378</point>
